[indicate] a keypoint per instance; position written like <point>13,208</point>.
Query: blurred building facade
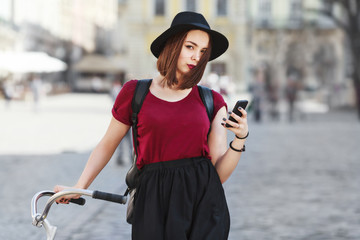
<point>76,21</point>
<point>64,29</point>
<point>289,42</point>
<point>270,41</point>
<point>146,19</point>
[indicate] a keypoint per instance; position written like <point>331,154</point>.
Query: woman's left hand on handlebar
<point>65,199</point>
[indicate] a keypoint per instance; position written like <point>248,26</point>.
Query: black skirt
<point>180,199</point>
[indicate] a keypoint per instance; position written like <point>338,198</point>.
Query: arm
<point>100,156</point>
<point>224,158</point>
<point>102,153</point>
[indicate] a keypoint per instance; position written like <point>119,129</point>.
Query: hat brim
<point>219,42</point>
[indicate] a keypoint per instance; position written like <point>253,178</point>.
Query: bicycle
<point>39,219</point>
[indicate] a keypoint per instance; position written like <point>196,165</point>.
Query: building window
<point>190,5</point>
<point>222,6</point>
<point>328,6</point>
<point>159,7</point>
<point>295,13</point>
<point>265,12</point>
<point>322,20</point>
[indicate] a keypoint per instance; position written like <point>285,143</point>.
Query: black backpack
<point>141,90</point>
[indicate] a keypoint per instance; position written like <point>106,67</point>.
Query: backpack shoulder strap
<point>207,99</point>
<point>141,90</point>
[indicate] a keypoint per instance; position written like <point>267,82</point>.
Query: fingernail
<point>240,108</point>
<point>229,112</point>
<point>224,119</point>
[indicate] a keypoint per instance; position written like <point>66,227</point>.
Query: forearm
<point>98,159</point>
<point>226,164</point>
<point>102,153</point>
<point>223,157</point>
<point>96,162</point>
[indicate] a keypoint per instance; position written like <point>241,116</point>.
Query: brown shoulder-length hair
<point>168,58</point>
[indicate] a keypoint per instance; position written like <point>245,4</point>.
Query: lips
<point>191,66</point>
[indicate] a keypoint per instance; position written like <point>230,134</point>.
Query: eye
<point>203,51</point>
<point>189,47</point>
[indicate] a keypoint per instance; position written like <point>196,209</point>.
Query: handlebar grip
<point>109,197</point>
<point>80,201</point>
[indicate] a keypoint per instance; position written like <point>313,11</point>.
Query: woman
<point>183,166</point>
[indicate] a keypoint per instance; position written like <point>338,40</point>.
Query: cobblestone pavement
<point>296,181</point>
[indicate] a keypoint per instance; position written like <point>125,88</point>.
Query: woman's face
<point>195,44</point>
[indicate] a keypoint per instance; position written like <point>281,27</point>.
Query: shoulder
<point>126,93</point>
<point>218,98</point>
<point>219,101</point>
<point>128,89</point>
<point>122,107</point>
<point>130,85</point>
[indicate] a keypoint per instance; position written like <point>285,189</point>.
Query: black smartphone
<point>240,103</point>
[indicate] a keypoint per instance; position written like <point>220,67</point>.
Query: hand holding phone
<point>240,103</point>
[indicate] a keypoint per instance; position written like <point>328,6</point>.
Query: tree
<point>350,24</point>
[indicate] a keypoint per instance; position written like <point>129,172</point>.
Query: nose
<point>196,56</point>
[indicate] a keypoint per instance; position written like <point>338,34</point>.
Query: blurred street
<point>296,181</point>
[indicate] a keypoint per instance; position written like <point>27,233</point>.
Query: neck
<point>161,90</point>
<point>163,82</point>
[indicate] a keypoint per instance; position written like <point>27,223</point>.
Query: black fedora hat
<point>188,21</point>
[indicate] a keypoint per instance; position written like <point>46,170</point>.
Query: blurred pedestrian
<point>212,81</point>
<point>115,89</point>
<point>8,91</point>
<point>36,89</point>
<point>258,91</point>
<point>273,97</point>
<point>291,91</point>
<point>179,193</point>
<point>224,83</point>
<point>96,84</point>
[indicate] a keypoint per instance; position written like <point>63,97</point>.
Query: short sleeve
<point>121,110</point>
<point>219,102</point>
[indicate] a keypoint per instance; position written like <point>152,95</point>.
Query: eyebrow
<point>195,44</point>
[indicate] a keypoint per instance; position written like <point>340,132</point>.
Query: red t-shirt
<point>167,130</point>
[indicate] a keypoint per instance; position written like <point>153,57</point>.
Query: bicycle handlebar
<point>79,201</point>
<point>109,197</point>
<point>39,219</point>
